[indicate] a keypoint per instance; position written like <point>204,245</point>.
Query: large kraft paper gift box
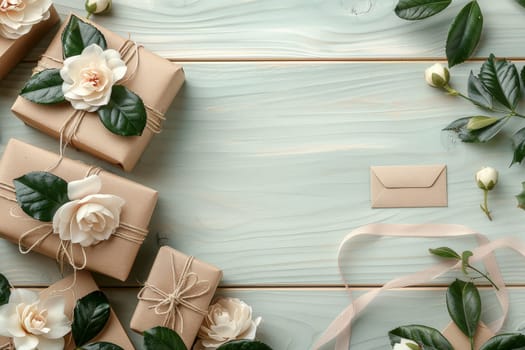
<point>177,294</point>
<point>113,257</point>
<point>73,288</point>
<point>155,80</point>
<point>13,50</point>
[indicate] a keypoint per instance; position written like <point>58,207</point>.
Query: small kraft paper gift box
<point>73,98</point>
<point>73,288</point>
<point>177,294</point>
<point>78,214</point>
<point>14,47</point>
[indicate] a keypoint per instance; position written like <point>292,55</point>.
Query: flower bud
<point>437,75</point>
<point>406,344</point>
<point>487,178</point>
<point>97,6</point>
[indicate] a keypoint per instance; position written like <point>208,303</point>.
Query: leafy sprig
<point>464,32</point>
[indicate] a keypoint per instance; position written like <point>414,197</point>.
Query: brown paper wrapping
<point>12,51</point>
<point>113,257</point>
<point>84,284</point>
<point>161,277</point>
<point>156,81</point>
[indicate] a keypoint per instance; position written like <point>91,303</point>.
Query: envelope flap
<point>407,176</point>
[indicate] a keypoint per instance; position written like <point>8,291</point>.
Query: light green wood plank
<point>294,319</point>
<point>289,29</point>
<point>263,168</point>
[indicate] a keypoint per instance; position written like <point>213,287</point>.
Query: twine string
<point>168,304</point>
<point>7,346</point>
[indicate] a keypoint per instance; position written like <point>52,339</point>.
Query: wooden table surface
<point>263,163</point>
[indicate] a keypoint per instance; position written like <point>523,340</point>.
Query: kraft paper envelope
<point>408,186</point>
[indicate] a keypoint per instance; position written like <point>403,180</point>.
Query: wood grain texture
<point>263,168</point>
<point>294,319</point>
<point>300,29</point>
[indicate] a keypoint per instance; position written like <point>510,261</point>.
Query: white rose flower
<point>97,6</point>
<point>437,75</point>
<point>90,217</point>
<point>89,77</point>
<point>17,17</point>
<point>406,344</point>
<point>34,323</point>
<point>228,319</point>
<point>487,178</point>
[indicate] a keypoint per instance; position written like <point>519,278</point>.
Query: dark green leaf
<point>125,113</point>
<point>428,338</point>
<point>508,341</point>
<point>464,34</point>
<point>518,145</point>
<point>101,346</point>
<point>521,197</point>
<point>90,316</point>
<point>460,127</point>
<point>464,306</point>
<point>478,93</point>
<point>464,260</point>
<point>523,72</point>
<point>78,35</point>
<point>40,194</point>
<point>44,87</point>
<point>445,252</point>
<point>244,345</point>
<point>501,79</point>
<point>162,338</point>
<point>521,2</point>
<point>5,290</point>
<point>419,9</point>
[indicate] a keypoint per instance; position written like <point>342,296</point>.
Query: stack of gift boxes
<point>156,81</point>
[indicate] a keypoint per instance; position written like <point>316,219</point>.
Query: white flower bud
<point>98,6</point>
<point>437,75</point>
<point>406,344</point>
<point>487,178</point>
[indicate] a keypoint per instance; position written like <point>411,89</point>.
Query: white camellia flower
<point>228,319</point>
<point>437,75</point>
<point>406,344</point>
<point>89,217</point>
<point>90,76</point>
<point>487,178</point>
<point>98,6</point>
<point>34,323</point>
<point>17,17</point>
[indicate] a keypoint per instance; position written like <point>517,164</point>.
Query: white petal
<point>51,344</point>
<point>57,321</point>
<point>28,342</point>
<point>62,219</point>
<point>80,188</point>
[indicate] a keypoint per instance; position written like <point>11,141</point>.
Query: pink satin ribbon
<point>340,328</point>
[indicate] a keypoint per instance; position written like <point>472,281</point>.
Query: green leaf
<point>40,194</point>
<point>90,316</point>
<point>501,79</point>
<point>464,260</point>
<point>78,35</point>
<point>478,93</point>
<point>44,87</point>
<point>460,127</point>
<point>125,113</point>
<point>518,146</point>
<point>244,345</point>
<point>428,338</point>
<point>162,338</point>
<point>101,346</point>
<point>445,252</point>
<point>508,341</point>
<point>419,9</point>
<point>5,290</point>
<point>464,34</point>
<point>523,71</point>
<point>479,122</point>
<point>521,197</point>
<point>464,306</point>
<point>521,2</point>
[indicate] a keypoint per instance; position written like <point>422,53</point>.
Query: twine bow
<point>7,346</point>
<point>168,304</point>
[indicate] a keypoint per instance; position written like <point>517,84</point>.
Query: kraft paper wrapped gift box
<point>13,50</point>
<point>155,79</point>
<point>173,272</point>
<point>113,257</point>
<point>73,288</point>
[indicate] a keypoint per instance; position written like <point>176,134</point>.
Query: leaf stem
<point>471,343</point>
<point>484,207</point>
<point>484,275</point>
